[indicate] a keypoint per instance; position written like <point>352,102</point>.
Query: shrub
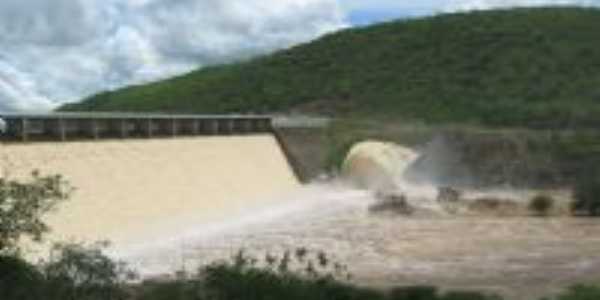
<point>243,278</point>
<point>22,205</point>
<point>494,205</point>
<point>414,293</point>
<point>85,273</point>
<point>448,194</point>
<point>541,204</point>
<point>469,296</point>
<point>587,196</point>
<point>19,280</point>
<point>76,272</point>
<point>581,292</point>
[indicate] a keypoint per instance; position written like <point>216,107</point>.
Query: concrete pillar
<point>123,130</point>
<point>195,126</point>
<point>213,126</point>
<point>149,126</point>
<point>61,129</point>
<point>94,129</point>
<point>247,126</point>
<point>174,127</point>
<point>24,129</point>
<point>230,125</point>
<point>258,125</point>
<point>267,125</point>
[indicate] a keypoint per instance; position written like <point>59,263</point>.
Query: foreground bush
<point>75,273</point>
<point>587,195</point>
<point>22,205</point>
<point>581,292</point>
<point>19,280</point>
<point>301,275</point>
<point>85,273</point>
<point>541,204</point>
<point>81,273</point>
<point>495,206</point>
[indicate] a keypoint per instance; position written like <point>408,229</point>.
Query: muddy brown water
<point>182,203</point>
<point>126,190</point>
<point>519,257</point>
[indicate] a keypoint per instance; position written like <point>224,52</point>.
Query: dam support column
<point>58,129</point>
<point>230,125</point>
<point>149,128</point>
<point>195,127</point>
<point>174,127</point>
<point>213,127</point>
<point>92,128</point>
<point>247,126</point>
<point>24,129</point>
<point>123,129</point>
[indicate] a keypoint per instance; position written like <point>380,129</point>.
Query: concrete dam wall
<point>129,190</point>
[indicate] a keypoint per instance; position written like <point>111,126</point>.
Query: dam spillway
<point>128,190</point>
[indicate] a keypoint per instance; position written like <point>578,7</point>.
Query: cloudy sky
<point>58,51</point>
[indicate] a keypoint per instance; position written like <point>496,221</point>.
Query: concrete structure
<point>74,126</point>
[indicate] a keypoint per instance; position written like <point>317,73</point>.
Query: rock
<point>448,194</point>
<point>394,203</point>
<point>494,206</point>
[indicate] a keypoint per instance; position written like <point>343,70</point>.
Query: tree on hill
<point>516,67</point>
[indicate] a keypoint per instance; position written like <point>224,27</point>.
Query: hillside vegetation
<point>520,67</point>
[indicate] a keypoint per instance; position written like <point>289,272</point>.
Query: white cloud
<point>61,50</point>
<point>486,4</point>
<point>57,51</point>
<point>436,6</point>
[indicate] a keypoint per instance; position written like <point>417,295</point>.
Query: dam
<point>135,175</point>
<point>170,202</point>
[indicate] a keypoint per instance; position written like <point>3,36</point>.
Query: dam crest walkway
<point>76,126</point>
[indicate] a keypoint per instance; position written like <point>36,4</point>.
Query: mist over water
<point>175,251</point>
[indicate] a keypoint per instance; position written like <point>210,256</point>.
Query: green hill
<point>519,67</point>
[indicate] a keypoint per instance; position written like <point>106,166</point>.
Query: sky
<point>53,52</point>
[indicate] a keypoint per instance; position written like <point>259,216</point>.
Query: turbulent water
<point>179,204</point>
<point>519,256</point>
<point>522,257</point>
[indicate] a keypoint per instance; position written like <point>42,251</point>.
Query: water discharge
<point>378,165</point>
<point>170,205</point>
<point>128,191</point>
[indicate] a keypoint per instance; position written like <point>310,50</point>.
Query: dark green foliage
<point>587,195</point>
<point>75,273</point>
<point>244,279</point>
<point>541,204</point>
<point>581,292</point>
<point>85,273</point>
<point>170,290</point>
<point>19,280</point>
<point>468,296</point>
<point>22,205</point>
<point>414,293</point>
<point>81,273</point>
<point>520,67</point>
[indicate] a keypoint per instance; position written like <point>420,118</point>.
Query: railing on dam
<point>66,126</point>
